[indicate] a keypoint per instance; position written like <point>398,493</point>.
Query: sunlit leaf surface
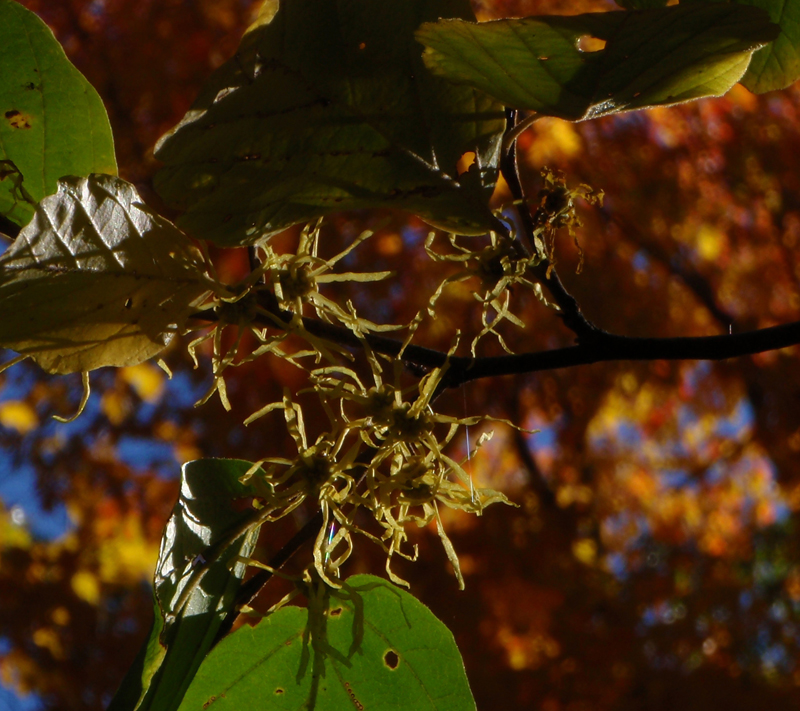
<point>651,57</point>
<point>372,646</point>
<point>96,279</point>
<point>777,65</point>
<point>52,122</point>
<point>304,121</point>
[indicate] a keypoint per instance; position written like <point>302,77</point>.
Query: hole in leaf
<point>391,660</point>
<point>587,43</point>
<point>17,119</point>
<point>465,162</point>
<point>336,613</point>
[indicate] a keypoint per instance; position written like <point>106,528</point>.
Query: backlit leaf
<point>372,646</point>
<point>778,64</point>
<point>52,122</point>
<point>651,57</point>
<point>96,279</point>
<point>328,107</point>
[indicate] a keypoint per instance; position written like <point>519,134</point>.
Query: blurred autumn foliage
<point>653,561</point>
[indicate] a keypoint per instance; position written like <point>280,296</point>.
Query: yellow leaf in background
<point>18,415</point>
<point>116,406</point>
<point>585,550</point>
<point>49,639</point>
<point>60,616</point>
<point>741,97</point>
<point>710,242</point>
<point>86,586</point>
<point>186,453</point>
<point>146,379</point>
<point>555,140</point>
<point>571,494</point>
<point>127,556</point>
<point>389,245</point>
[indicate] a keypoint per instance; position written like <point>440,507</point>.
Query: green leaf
<point>96,279</point>
<point>52,122</point>
<point>369,646</point>
<point>326,107</point>
<point>651,57</point>
<point>196,581</point>
<point>777,65</point>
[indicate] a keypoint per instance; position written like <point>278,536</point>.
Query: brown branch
<point>250,589</point>
<point>609,347</point>
<point>544,272</point>
<point>601,347</point>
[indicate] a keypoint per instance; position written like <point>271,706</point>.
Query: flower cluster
<point>498,267</point>
<point>384,453</point>
<point>271,303</point>
<point>384,460</point>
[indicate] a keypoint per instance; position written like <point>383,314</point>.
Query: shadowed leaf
<point>369,646</point>
<point>328,107</point>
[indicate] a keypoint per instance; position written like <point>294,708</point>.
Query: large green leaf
<point>195,582</point>
<point>96,279</point>
<point>371,646</point>
<point>327,106</point>
<point>651,57</point>
<point>52,122</point>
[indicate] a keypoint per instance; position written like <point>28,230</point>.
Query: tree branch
<point>608,347</point>
<point>601,347</point>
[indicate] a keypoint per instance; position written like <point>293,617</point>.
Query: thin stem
<point>544,272</point>
<point>609,347</point>
<point>601,347</point>
<point>248,591</point>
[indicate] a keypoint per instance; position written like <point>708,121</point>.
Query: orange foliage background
<point>653,560</point>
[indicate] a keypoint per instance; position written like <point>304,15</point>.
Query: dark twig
<point>570,313</point>
<point>608,347</point>
<point>249,590</point>
<point>600,348</point>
